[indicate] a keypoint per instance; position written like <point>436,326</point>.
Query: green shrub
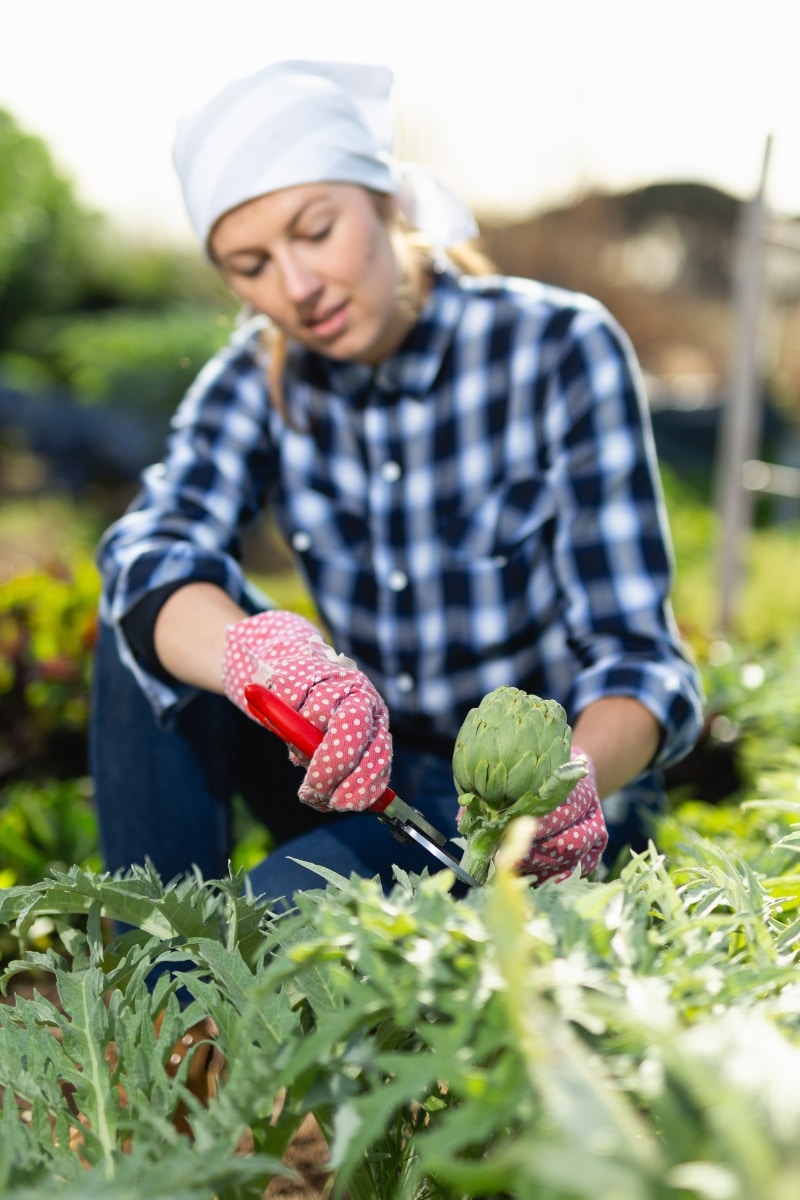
<point>141,360</point>
<point>46,826</point>
<point>47,631</point>
<point>636,1038</point>
<point>45,233</point>
<point>765,615</point>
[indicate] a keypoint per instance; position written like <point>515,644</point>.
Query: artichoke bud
<point>559,784</point>
<point>526,774</point>
<point>498,785</point>
<point>512,750</point>
<point>514,734</point>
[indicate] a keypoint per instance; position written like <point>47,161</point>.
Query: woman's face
<point>318,260</point>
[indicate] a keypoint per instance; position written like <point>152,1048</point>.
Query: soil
<point>307,1153</point>
<point>306,1156</point>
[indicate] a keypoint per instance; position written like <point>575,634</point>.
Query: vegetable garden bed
<point>636,1038</point>
<point>631,1038</point>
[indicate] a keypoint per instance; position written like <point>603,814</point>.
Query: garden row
<point>634,1037</point>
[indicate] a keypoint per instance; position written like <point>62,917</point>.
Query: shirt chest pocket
<point>500,523</point>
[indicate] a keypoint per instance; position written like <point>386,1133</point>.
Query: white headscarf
<point>306,122</point>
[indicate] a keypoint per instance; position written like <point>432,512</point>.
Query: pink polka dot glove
<point>350,768</point>
<point>574,833</point>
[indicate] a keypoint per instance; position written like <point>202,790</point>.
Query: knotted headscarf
<point>301,122</point>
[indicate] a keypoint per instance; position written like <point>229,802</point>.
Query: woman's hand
<point>350,768</point>
<point>619,738</point>
<point>574,834</point>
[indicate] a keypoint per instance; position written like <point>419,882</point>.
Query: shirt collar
<point>412,370</point>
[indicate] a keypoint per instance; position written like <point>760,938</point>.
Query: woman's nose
<point>300,281</point>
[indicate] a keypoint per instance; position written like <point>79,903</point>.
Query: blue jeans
<point>165,794</point>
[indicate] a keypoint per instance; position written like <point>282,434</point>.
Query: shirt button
<point>404,682</point>
<point>391,471</point>
<point>397,580</point>
<point>301,540</point>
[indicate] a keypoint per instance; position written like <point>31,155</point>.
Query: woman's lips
<point>331,323</point>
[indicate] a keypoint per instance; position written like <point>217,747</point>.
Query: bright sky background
<point>518,104</point>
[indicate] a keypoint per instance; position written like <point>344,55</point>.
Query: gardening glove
<point>572,834</point>
<point>350,768</point>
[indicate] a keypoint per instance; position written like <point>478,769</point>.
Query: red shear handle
<point>294,729</point>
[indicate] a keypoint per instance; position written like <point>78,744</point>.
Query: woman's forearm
<point>189,634</point>
<point>619,734</point>
<point>621,737</point>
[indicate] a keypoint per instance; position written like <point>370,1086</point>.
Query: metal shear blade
<point>451,863</point>
<point>405,823</point>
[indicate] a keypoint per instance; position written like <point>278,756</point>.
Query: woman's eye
<point>318,235</point>
<point>253,271</point>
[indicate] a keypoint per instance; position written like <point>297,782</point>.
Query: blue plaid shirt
<point>483,508</point>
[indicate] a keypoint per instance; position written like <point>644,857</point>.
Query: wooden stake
<point>740,422</point>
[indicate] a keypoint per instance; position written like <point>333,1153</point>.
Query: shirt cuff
<point>138,628</point>
<point>671,692</point>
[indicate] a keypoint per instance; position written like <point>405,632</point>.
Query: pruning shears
<point>406,824</point>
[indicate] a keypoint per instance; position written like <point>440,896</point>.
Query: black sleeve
<point>139,628</point>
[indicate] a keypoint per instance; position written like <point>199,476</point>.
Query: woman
<point>464,469</point>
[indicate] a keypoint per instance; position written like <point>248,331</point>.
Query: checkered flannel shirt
<point>482,508</point>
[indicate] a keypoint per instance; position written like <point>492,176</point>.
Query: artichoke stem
<point>480,852</point>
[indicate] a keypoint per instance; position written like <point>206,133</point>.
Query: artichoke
<point>511,759</point>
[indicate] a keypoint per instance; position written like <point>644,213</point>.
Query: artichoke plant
<point>511,759</point>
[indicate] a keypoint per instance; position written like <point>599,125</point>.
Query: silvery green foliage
<point>511,759</point>
<point>635,1039</point>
